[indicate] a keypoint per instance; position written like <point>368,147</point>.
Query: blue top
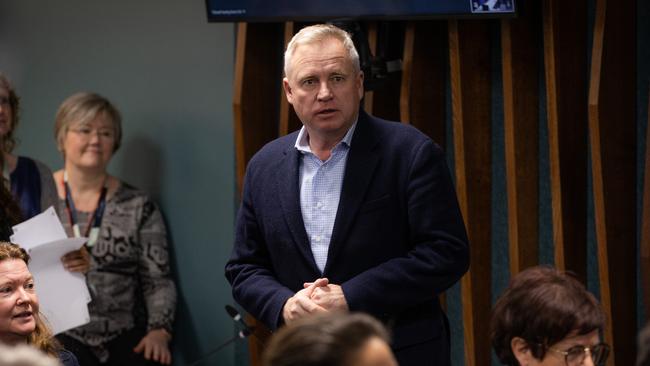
<point>26,187</point>
<point>67,358</point>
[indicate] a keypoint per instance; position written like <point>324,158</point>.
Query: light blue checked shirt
<point>320,191</point>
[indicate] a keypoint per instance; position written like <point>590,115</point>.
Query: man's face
<point>324,88</point>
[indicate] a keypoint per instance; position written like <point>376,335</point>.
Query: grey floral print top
<point>129,277</point>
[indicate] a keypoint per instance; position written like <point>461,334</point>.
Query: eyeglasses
<point>575,356</point>
<point>86,133</point>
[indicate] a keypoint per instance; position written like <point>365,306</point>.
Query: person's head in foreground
<point>547,317</point>
<point>332,339</point>
<point>20,322</point>
<point>22,355</point>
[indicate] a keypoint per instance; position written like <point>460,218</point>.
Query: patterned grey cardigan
<point>129,277</point>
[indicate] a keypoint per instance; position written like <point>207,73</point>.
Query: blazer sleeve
<point>439,249</point>
<point>249,270</point>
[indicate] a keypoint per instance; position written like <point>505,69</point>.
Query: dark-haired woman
<point>547,318</point>
<point>10,214</point>
<point>29,180</point>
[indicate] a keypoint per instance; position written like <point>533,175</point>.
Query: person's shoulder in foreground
<point>67,358</point>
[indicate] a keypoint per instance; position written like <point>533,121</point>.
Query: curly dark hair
<point>8,140</point>
<point>542,306</point>
<point>10,213</point>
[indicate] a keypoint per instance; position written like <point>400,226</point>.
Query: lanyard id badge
<point>93,236</point>
<point>94,221</point>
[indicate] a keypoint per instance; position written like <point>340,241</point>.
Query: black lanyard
<point>95,219</point>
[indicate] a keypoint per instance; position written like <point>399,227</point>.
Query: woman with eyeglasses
<point>29,180</point>
<point>125,259</point>
<point>547,318</point>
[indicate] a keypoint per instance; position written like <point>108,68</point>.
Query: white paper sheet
<point>42,228</point>
<point>63,295</point>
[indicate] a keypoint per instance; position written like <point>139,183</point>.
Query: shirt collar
<point>302,142</point>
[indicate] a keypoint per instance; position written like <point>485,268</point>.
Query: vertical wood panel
<point>565,58</point>
<point>238,86</point>
<point>289,121</point>
<point>390,47</point>
<point>645,225</point>
<point>612,131</point>
<point>256,102</point>
<point>422,96</point>
<point>471,105</point>
<point>368,99</point>
<point>520,51</point>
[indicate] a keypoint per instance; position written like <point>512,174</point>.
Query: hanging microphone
<point>234,314</point>
<point>245,332</point>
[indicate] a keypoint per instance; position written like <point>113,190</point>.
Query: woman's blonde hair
<point>41,337</point>
<point>82,108</point>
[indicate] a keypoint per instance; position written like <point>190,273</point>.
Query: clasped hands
<point>316,297</point>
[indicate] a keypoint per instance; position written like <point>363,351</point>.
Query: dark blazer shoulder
<point>275,148</point>
<point>391,134</point>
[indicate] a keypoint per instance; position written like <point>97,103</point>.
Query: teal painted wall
<point>170,73</point>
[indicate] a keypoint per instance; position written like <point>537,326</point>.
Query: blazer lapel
<point>287,180</point>
<point>359,170</point>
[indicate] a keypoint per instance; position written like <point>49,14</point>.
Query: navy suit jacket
<point>398,238</point>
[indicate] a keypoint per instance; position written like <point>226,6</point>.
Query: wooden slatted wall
<point>469,52</point>
<point>589,116</point>
<point>520,57</point>
<point>565,59</point>
<point>612,131</point>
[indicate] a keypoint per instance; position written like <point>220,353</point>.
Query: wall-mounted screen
<point>306,10</point>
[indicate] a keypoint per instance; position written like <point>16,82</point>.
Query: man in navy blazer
<point>351,213</point>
